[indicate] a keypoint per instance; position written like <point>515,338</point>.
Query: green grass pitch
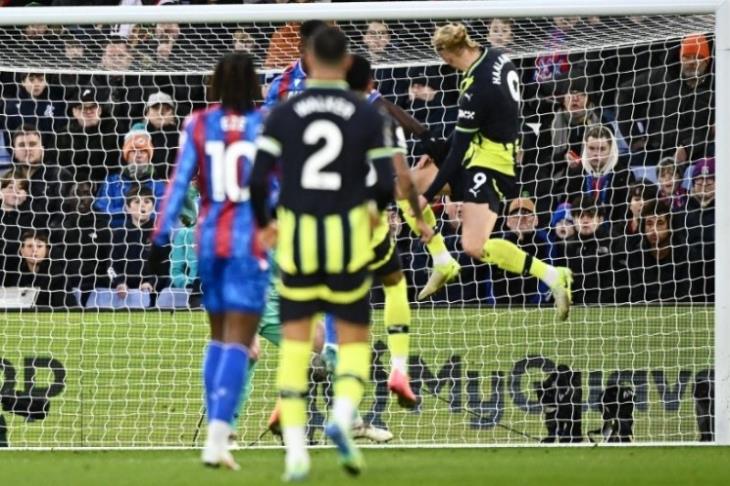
<point>133,379</point>
<point>705,466</point>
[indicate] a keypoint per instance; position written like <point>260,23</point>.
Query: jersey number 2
<point>313,177</point>
<point>224,172</point>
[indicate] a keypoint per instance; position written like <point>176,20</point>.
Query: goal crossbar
<point>351,11</point>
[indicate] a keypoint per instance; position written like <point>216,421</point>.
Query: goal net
<point>616,173</point>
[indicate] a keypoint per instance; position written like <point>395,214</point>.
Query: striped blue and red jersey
<point>289,83</point>
<point>217,146</point>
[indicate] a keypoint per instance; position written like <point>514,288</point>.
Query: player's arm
<point>272,95</point>
<point>380,158</point>
<point>268,152</point>
<point>467,124</point>
<point>435,147</point>
<point>185,168</point>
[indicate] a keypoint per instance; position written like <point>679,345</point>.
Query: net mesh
<point>93,358</point>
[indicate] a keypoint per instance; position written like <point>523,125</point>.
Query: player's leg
<point>397,317</point>
<point>329,349</point>
<point>243,292</point>
<point>446,268</point>
<point>212,357</point>
<point>478,221</point>
<point>292,383</point>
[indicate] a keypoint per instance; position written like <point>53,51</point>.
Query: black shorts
<point>345,296</point>
<point>483,186</point>
<point>386,259</point>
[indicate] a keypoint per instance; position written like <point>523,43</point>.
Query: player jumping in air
<point>480,166</point>
<point>324,143</point>
<point>217,145</point>
<point>386,263</point>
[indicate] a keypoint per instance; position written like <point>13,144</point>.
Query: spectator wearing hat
<point>520,227</point>
<point>672,109</point>
<point>699,222</point>
<point>161,122</point>
<point>88,147</point>
<point>589,254</point>
<point>562,230</point>
<point>137,153</point>
<point>658,269</point>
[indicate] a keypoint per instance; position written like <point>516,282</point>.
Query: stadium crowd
<point>616,161</point>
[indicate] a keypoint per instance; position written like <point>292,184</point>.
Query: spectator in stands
<point>166,45</point>
<point>137,153</point>
<point>670,176</point>
<point>699,222</point>
<point>48,183</point>
<point>377,40</point>
<point>589,254</point>
<point>577,113</point>
<point>34,104</point>
<point>124,91</point>
<point>658,270</point>
<point>15,214</point>
<point>88,147</point>
<point>601,176</point>
<point>130,245</point>
<point>162,124</point>
<point>81,242</point>
<point>431,96</point>
<point>672,109</point>
<point>521,229</point>
<point>243,41</point>
<point>640,194</point>
<point>500,34</point>
<point>33,268</point>
<point>562,231</point>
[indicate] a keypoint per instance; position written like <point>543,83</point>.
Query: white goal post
<point>436,10</point>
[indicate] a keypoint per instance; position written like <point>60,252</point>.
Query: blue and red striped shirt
<point>217,145</point>
<point>288,83</point>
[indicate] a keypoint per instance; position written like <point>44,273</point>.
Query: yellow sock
<point>508,256</point>
<point>291,380</point>
<point>436,246</point>
<point>397,322</point>
<point>353,369</point>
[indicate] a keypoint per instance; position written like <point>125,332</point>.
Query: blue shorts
<point>233,284</point>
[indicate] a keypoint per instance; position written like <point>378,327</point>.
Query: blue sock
<point>229,382</point>
<point>212,357</point>
<point>330,332</point>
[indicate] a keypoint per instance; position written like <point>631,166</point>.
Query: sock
<point>508,256</point>
<point>291,380</point>
<point>397,321</point>
<point>436,247</point>
<point>229,381</point>
<point>210,365</point>
<point>330,331</point>
<point>218,433</point>
<point>245,393</point>
<point>353,369</point>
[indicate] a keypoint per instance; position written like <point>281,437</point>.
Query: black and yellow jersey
<point>489,104</point>
<point>325,145</point>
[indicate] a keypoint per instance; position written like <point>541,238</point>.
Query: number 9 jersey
<point>217,146</point>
